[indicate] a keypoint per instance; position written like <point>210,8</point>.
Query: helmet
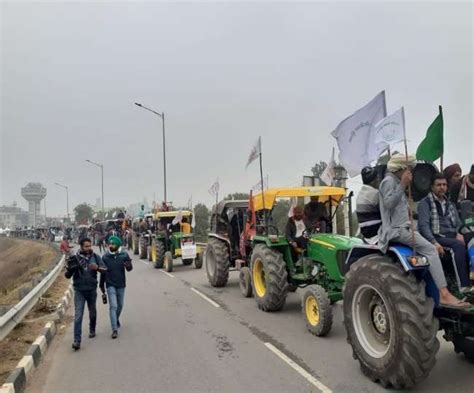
<point>369,174</point>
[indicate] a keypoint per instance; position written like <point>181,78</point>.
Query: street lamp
<point>67,197</point>
<point>162,116</point>
<point>101,166</point>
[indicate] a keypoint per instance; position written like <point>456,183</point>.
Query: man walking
<point>438,222</point>
<point>396,225</point>
<point>116,261</point>
<point>83,268</point>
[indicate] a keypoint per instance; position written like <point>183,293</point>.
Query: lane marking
<point>205,297</point>
<point>323,388</point>
<point>168,274</point>
<point>145,263</point>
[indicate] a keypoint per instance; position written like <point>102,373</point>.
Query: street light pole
<point>101,166</point>
<point>67,197</point>
<point>162,117</point>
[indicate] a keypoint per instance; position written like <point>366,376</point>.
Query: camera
<point>104,298</point>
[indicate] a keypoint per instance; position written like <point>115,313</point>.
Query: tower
<point>34,194</point>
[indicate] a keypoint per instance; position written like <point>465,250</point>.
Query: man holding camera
<point>116,261</point>
<point>83,268</point>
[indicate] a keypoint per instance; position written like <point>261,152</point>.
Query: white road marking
<point>168,274</point>
<point>146,263</point>
<point>205,297</point>
<point>323,388</point>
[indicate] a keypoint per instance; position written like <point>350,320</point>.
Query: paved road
<point>174,340</point>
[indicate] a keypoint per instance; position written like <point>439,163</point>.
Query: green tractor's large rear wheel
<point>269,278</point>
<point>389,322</point>
<point>217,262</point>
<point>157,251</point>
<point>317,311</point>
<point>142,247</point>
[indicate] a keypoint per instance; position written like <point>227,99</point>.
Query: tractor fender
<point>399,253</point>
<point>220,237</point>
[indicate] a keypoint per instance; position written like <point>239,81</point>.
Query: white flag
<point>355,135</point>
<point>214,190</point>
<point>178,217</point>
<point>256,151</point>
<point>390,130</point>
<point>193,221</point>
<point>328,174</point>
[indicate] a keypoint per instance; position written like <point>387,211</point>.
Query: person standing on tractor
<point>185,226</point>
<point>83,268</point>
<point>117,261</point>
<point>316,215</point>
<point>295,230</point>
<point>397,226</point>
<point>439,223</point>
<point>367,204</point>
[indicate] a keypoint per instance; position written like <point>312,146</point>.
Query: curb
<point>16,381</point>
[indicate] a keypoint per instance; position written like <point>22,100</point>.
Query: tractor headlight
<point>315,270</point>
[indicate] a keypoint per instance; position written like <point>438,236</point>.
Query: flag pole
<point>410,197</point>
<point>442,154</point>
<point>263,192</point>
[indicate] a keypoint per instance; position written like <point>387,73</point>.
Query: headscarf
<point>450,170</point>
<point>400,162</point>
<point>115,240</point>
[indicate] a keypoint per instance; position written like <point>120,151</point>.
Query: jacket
<point>78,267</point>
<point>116,265</point>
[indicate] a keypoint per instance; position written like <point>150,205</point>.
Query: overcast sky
<point>223,73</point>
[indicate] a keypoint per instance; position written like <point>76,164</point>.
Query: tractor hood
<point>335,242</point>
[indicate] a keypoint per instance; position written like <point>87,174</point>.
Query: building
<point>34,193</point>
<point>13,217</point>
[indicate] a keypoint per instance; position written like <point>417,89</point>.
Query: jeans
<point>116,297</point>
<point>80,299</point>
<point>460,257</point>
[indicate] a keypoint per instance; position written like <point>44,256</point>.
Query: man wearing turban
<point>396,225</point>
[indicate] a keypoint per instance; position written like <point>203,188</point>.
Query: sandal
<point>459,305</point>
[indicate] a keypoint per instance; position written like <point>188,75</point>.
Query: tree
<point>201,213</point>
<point>83,213</point>
<point>318,169</point>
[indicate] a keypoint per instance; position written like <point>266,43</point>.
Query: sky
<point>223,74</point>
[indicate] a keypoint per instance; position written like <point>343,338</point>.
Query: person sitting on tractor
<point>397,226</point>
<point>295,229</point>
<point>185,226</point>
<point>439,223</point>
<point>367,204</point>
<point>316,215</point>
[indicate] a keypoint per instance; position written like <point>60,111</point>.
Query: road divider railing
<point>15,315</point>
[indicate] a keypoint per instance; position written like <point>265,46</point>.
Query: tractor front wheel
<point>465,345</point>
<point>269,278</point>
<point>198,261</point>
<point>135,244</point>
<point>245,281</point>
<point>317,311</point>
<point>389,322</point>
<point>168,262</point>
<point>217,262</point>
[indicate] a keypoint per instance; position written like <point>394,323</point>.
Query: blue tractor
<point>392,314</point>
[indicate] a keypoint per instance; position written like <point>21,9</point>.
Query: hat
<point>400,162</point>
<point>369,174</point>
<point>450,170</point>
<point>115,240</point>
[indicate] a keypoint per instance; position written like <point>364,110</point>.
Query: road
<point>174,339</point>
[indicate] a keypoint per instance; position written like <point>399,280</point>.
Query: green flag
<point>431,148</point>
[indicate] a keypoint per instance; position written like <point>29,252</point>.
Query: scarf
<point>450,212</point>
<point>84,259</point>
<point>465,184</point>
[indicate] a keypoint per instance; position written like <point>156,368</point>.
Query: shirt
<point>300,227</point>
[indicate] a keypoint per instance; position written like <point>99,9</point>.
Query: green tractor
<point>172,239</point>
<point>141,235</point>
<point>270,267</point>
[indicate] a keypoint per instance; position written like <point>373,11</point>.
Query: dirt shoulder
<point>21,264</point>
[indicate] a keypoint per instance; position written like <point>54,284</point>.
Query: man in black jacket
<point>83,268</point>
<point>295,230</point>
<point>116,261</point>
